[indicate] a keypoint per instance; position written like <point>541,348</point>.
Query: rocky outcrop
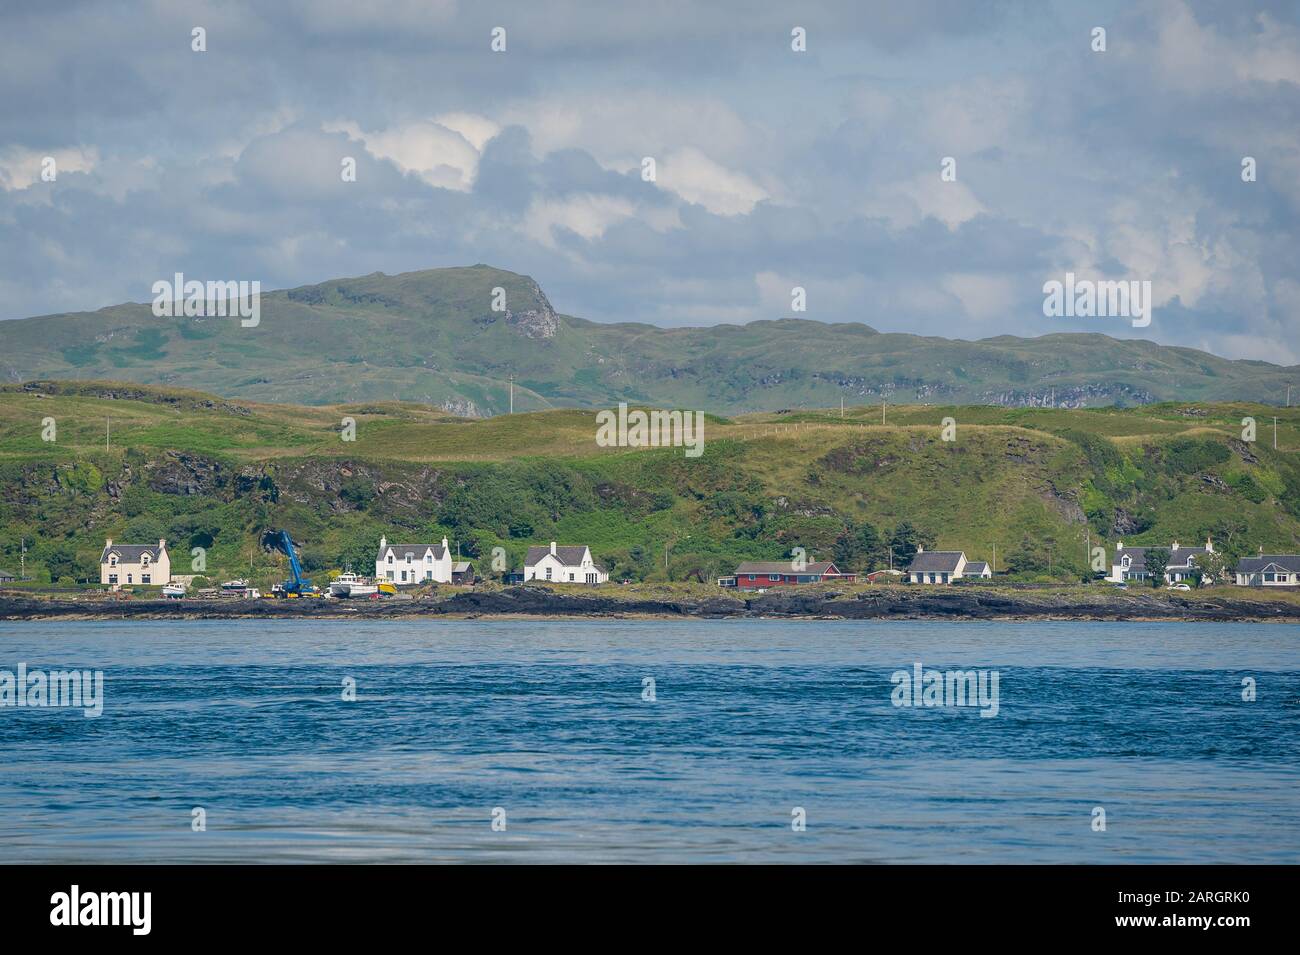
<point>916,603</point>
<point>539,322</point>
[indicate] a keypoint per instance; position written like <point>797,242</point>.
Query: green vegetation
<point>431,337</point>
<point>1036,486</point>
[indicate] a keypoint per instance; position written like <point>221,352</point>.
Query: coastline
<point>543,603</point>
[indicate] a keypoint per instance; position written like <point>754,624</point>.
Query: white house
<point>1269,570</point>
<point>944,566</point>
<point>1131,562</point>
<point>413,563</point>
<point>130,564</point>
<point>565,565</point>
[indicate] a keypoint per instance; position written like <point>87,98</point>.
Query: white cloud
<point>587,214</point>
<point>21,167</point>
<point>697,178</point>
<point>440,155</point>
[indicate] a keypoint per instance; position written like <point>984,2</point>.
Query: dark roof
<point>1251,565</point>
<point>570,556</point>
<point>129,553</point>
<point>1177,558</point>
<point>769,567</point>
<point>935,562</point>
<point>975,567</point>
<point>7,573</point>
<point>401,550</point>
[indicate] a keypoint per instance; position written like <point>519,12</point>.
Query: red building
<point>760,574</point>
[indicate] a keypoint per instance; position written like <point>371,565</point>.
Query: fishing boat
<point>348,584</point>
<point>174,591</point>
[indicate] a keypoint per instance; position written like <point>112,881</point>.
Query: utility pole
<point>841,406</point>
<point>512,392</point>
<point>22,558</point>
<point>882,410</point>
<point>106,428</point>
<point>1275,434</point>
<point>995,557</point>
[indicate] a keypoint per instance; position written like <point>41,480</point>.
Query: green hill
<point>432,337</point>
<point>1037,485</point>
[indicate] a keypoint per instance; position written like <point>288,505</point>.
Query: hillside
<point>1036,484</point>
<point>432,337</point>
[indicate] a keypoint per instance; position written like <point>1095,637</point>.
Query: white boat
<point>173,590</point>
<point>348,584</point>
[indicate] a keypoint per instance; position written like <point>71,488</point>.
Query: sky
<point>773,168</point>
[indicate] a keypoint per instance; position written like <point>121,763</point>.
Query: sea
<point>654,741</point>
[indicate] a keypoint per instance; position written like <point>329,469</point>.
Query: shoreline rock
<point>514,602</point>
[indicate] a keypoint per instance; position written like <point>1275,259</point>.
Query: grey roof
<point>935,562</point>
<point>570,556</point>
<point>129,553</point>
<point>7,573</point>
<point>975,567</point>
<point>785,567</point>
<point>401,550</point>
<point>1177,558</point>
<point>1252,565</point>
<point>461,566</point>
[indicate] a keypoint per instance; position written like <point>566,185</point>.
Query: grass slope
<point>1037,485</point>
<point>432,337</point>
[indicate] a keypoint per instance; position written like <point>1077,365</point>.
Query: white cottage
<point>413,563</point>
<point>1269,570</point>
<point>564,565</point>
<point>942,567</point>
<point>126,565</point>
<point>1131,562</point>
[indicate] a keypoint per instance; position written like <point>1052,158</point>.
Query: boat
<point>348,584</point>
<point>175,591</point>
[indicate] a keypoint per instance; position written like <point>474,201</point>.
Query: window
<point>128,578</point>
<point>112,578</point>
<point>403,576</point>
<point>146,578</point>
<point>390,558</point>
<point>570,576</point>
<point>548,573</point>
<point>112,560</point>
<point>144,560</point>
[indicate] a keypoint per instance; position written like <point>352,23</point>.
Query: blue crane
<point>299,585</point>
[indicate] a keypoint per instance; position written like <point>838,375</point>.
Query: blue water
<point>546,721</point>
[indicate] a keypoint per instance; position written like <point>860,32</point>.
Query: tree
<point>1212,569</point>
<point>1157,562</point>
<point>1031,556</point>
<point>905,540</point>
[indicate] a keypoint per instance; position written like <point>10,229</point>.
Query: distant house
<point>413,563</point>
<point>131,564</point>
<point>462,572</point>
<point>977,568</point>
<point>1269,570</point>
<point>936,566</point>
<point>878,576</point>
<point>6,577</point>
<point>563,565</point>
<point>761,574</point>
<point>1131,562</point>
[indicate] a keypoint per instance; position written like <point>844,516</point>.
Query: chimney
<point>108,542</point>
<point>445,545</point>
<point>552,548</point>
<point>162,544</point>
<point>1175,547</point>
<point>1119,546</point>
<point>1209,545</point>
<point>383,541</point>
<point>919,548</point>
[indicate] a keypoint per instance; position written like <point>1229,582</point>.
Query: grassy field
<point>1033,488</point>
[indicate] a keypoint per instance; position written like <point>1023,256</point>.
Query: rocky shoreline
<point>875,604</point>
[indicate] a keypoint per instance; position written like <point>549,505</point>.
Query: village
<point>404,567</point>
